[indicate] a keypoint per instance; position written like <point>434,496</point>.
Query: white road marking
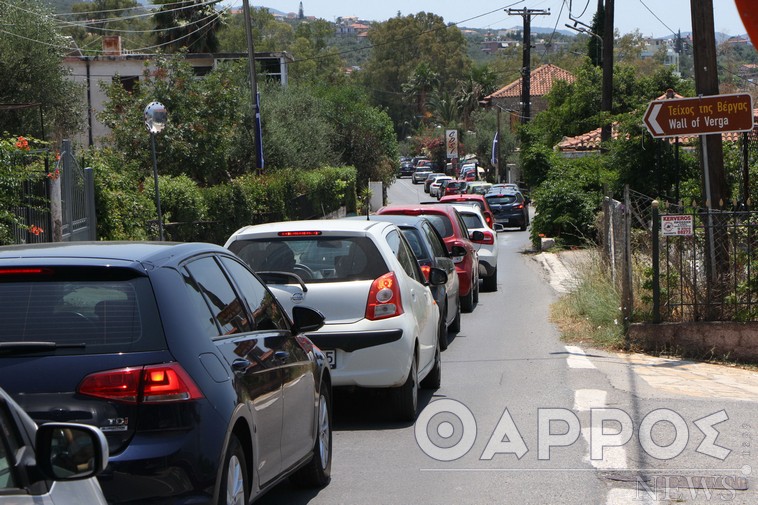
<point>577,358</point>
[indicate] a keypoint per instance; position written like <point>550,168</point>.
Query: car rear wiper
<point>23,347</point>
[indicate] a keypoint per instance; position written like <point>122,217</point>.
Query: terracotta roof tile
<point>540,83</point>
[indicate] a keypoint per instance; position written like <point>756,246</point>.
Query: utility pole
<point>526,93</point>
<point>606,101</point>
<point>253,84</point>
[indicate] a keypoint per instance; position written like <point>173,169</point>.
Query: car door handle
<point>239,365</point>
<point>281,355</point>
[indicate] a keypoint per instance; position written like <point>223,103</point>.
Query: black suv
<point>206,390</point>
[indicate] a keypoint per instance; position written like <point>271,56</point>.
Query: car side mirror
<point>477,236</point>
<point>71,451</point>
<point>457,251</point>
<point>306,319</point>
<point>437,276</point>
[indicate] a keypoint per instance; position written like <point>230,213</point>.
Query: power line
<point>659,19</point>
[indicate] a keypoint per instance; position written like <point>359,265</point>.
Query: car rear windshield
<point>415,240</point>
<point>82,310</point>
<point>502,199</point>
<point>314,258</point>
<point>441,223</point>
<point>472,220</point>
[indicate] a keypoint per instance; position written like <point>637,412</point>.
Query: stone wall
<point>704,340</point>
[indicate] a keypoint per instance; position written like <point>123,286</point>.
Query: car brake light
<point>488,220</point>
<point>25,271</point>
<point>384,298</point>
<point>298,233</point>
<point>519,206</point>
<point>149,384</point>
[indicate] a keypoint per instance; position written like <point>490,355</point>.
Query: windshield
<point>501,199</point>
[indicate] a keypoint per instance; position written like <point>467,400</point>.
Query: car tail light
<point>519,206</point>
<point>26,271</point>
<point>298,233</point>
<point>149,384</point>
<point>488,220</point>
<point>384,298</point>
<point>425,269</point>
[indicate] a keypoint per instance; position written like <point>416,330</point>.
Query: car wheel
<point>234,486</point>
<point>523,227</point>
<point>318,471</point>
<point>490,283</point>
<point>455,326</point>
<point>434,379</point>
<point>405,398</point>
<point>476,290</point>
<point>443,330</point>
<point>467,302</point>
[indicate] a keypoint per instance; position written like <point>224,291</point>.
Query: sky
<point>667,16</point>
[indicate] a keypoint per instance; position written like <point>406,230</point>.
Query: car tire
<point>467,302</point>
<point>490,283</point>
<point>234,489</point>
<point>318,471</point>
<point>434,379</point>
<point>443,330</point>
<point>476,290</point>
<point>405,398</point>
<point>523,227</point>
<point>455,326</point>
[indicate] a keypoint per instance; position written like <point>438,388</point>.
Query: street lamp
<point>156,117</point>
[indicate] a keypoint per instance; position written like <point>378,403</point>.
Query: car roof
<point>351,226</point>
<point>398,219</point>
<point>103,252</point>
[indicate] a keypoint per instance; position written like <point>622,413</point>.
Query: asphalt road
<point>524,418</point>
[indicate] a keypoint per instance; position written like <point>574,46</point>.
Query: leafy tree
<point>594,46</point>
<point>400,45</point>
<point>207,136</point>
<point>190,24</point>
<point>31,53</point>
<point>92,20</point>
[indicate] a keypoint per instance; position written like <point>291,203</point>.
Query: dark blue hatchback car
<point>206,390</point>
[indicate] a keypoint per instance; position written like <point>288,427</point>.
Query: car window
<point>318,258</point>
<point>267,314</point>
<point>225,307</point>
<point>103,309</point>
<point>9,443</point>
<point>471,219</point>
<point>501,199</point>
<point>464,228</point>
<point>404,255</point>
<point>438,247</point>
<point>414,238</point>
<point>442,223</point>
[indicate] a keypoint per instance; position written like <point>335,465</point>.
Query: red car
<point>452,187</point>
<point>476,199</point>
<point>448,222</point>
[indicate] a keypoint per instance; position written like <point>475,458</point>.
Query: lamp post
<point>155,121</point>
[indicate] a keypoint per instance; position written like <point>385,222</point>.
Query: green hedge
<point>125,202</point>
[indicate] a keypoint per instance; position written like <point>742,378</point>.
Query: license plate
<point>331,358</point>
<point>504,220</point>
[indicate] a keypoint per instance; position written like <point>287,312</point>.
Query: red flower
<point>35,230</point>
<point>54,175</point>
<point>22,143</point>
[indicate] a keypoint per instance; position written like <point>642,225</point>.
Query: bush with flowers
<point>21,159</point>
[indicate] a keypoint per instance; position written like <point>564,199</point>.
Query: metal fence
<point>704,268</point>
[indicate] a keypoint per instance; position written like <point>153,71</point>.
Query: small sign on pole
<point>451,139</point>
<point>677,225</point>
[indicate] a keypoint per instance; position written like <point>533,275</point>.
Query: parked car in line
<point>434,187</point>
<point>205,390</point>
<point>430,251</point>
<point>487,248</point>
<point>477,187</point>
<point>430,179</point>
<point>509,208</point>
<point>451,187</point>
<point>448,222</point>
<point>382,325</point>
<point>50,464</point>
<point>406,169</point>
<point>473,199</point>
<point>419,174</point>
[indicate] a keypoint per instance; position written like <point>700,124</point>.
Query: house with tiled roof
<point>541,82</point>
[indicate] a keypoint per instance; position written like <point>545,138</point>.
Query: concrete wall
<point>736,341</point>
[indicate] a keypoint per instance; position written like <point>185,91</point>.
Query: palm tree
<point>419,84</point>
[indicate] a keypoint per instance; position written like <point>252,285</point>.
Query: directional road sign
<point>700,115</point>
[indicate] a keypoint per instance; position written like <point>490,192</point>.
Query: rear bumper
<point>369,358</point>
<point>511,220</point>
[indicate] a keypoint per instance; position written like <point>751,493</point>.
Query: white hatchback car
<point>434,187</point>
<point>382,324</point>
<point>487,247</point>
